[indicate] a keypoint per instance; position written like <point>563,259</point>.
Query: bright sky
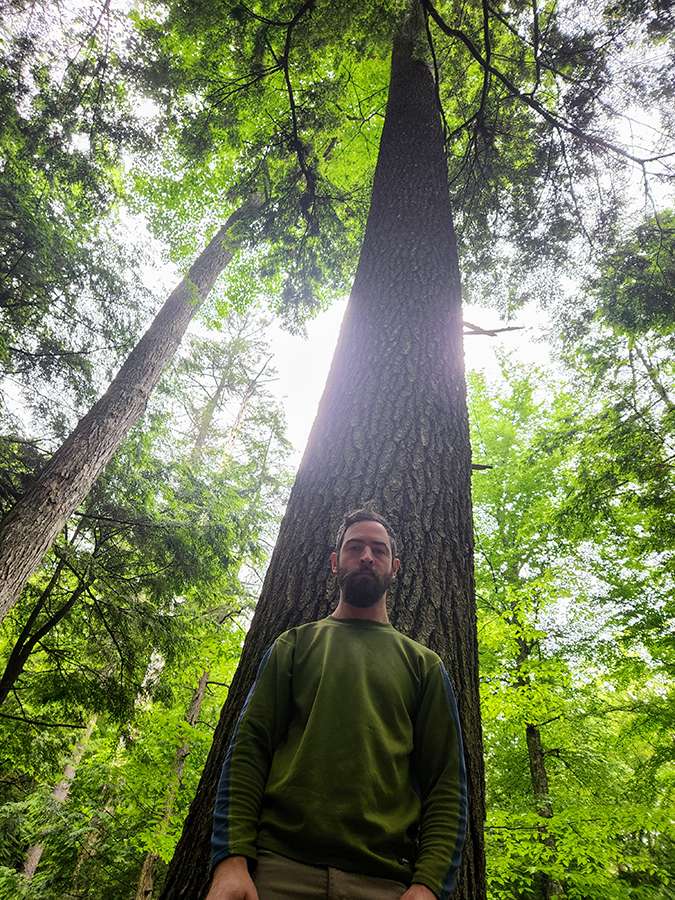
<point>302,363</point>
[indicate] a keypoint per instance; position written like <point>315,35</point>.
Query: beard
<point>363,587</point>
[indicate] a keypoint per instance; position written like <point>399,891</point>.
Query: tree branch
<point>40,722</point>
<point>530,101</point>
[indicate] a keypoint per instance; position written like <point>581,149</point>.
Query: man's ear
<point>333,562</point>
<point>396,565</point>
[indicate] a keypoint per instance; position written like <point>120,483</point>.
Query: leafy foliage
<point>66,121</point>
<point>171,116</point>
<point>564,686</point>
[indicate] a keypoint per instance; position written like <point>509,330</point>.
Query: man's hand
<point>418,892</point>
<point>231,881</point>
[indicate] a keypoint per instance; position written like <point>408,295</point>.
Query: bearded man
<point>345,775</point>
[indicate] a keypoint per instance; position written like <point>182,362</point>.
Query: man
<point>345,775</point>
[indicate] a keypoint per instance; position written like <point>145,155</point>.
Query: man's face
<point>365,567</point>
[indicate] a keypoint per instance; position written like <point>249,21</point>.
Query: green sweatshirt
<point>348,753</point>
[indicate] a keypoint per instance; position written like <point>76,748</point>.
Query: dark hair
<point>364,515</point>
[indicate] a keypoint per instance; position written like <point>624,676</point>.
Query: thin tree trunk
<point>249,393</point>
<point>654,379</point>
<point>545,886</point>
<point>93,837</point>
<point>30,527</point>
<point>391,429</point>
<point>60,795</point>
<point>91,843</point>
<point>146,881</point>
<point>212,406</point>
<point>538,773</point>
<point>207,415</point>
<point>14,667</point>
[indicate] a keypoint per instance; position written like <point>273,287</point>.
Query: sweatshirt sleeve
<point>262,725</point>
<point>441,775</point>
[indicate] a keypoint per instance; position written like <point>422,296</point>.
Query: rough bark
<point>30,527</point>
<point>60,795</point>
<point>391,429</point>
<point>146,881</point>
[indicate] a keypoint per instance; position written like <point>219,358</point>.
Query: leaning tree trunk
<point>60,795</point>
<point>146,880</point>
<point>30,527</point>
<point>391,429</point>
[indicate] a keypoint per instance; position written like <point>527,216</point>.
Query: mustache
<point>358,574</point>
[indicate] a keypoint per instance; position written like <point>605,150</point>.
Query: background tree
<point>164,594</point>
<point>569,790</point>
<point>537,105</point>
<point>330,441</point>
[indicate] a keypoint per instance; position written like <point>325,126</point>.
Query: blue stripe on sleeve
<point>220,848</point>
<point>451,877</point>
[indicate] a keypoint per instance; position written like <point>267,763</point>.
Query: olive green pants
<point>279,878</point>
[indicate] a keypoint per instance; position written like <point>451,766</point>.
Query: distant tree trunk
<point>545,887</point>
<point>60,795</point>
<point>391,429</point>
<point>652,374</point>
<point>92,841</point>
<point>146,881</point>
<point>30,527</point>
<point>249,393</point>
<point>214,403</point>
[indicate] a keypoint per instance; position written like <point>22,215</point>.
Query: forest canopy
<point>179,178</point>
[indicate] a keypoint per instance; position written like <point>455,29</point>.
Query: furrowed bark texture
<point>29,529</point>
<point>391,429</point>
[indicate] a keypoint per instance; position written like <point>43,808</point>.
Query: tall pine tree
<point>392,431</point>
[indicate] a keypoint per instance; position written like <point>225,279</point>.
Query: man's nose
<point>367,556</point>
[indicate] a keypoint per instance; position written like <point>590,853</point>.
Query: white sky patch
<point>302,363</point>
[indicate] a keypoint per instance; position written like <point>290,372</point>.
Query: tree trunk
<point>60,795</point>
<point>249,393</point>
<point>30,527</point>
<point>652,374</point>
<point>146,881</point>
<point>545,887</point>
<point>391,429</point>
